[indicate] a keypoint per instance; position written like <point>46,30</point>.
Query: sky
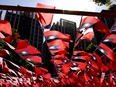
<point>78,5</point>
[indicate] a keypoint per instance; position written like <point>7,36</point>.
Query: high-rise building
<point>29,28</point>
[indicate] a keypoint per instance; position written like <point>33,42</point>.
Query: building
<point>29,28</point>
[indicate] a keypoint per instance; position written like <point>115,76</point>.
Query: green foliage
<point>102,2</point>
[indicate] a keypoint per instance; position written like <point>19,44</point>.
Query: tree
<point>103,2</point>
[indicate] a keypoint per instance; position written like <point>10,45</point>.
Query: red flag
<point>63,51</point>
<point>60,57</point>
<point>56,62</point>
<point>110,38</point>
<point>88,34</point>
<point>36,59</point>
<point>43,70</point>
<point>24,49</point>
<point>4,52</point>
<point>53,34</point>
<point>45,18</point>
<point>5,27</point>
<point>113,28</point>
<point>21,44</point>
<point>37,71</point>
<point>10,39</point>
<point>66,68</point>
<point>46,76</point>
<point>57,45</point>
<point>99,25</point>
<point>107,51</point>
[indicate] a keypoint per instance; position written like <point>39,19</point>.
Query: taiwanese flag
<point>57,45</point>
<point>66,68</point>
<point>110,38</point>
<point>38,71</point>
<point>97,59</point>
<point>99,25</point>
<point>45,18</point>
<point>36,59</point>
<point>3,53</point>
<point>5,27</point>
<point>56,62</point>
<point>54,52</point>
<point>82,53</point>
<point>107,51</point>
<point>24,49</point>
<point>10,39</point>
<point>60,57</point>
<point>88,34</point>
<point>80,65</point>
<point>53,34</point>
<point>113,28</point>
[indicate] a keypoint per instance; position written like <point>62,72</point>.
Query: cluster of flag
<point>84,69</point>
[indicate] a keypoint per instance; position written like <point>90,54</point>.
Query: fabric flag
<point>57,45</point>
<point>4,52</point>
<point>107,51</point>
<point>37,71</point>
<point>113,28</point>
<point>36,59</point>
<point>110,38</point>
<point>20,42</point>
<point>23,48</point>
<point>5,27</point>
<point>45,18</point>
<point>99,25</point>
<point>60,57</point>
<point>88,34</point>
<point>53,34</point>
<point>10,39</point>
<point>54,52</point>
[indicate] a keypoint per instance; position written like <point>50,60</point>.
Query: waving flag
<point>5,27</point>
<point>53,34</point>
<point>99,25</point>
<point>57,45</point>
<point>24,49</point>
<point>113,28</point>
<point>45,18</point>
<point>110,38</point>
<point>10,39</point>
<point>107,51</point>
<point>33,58</point>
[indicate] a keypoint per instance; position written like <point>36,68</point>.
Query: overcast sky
<point>78,5</point>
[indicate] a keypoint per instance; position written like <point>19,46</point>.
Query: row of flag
<point>84,69</point>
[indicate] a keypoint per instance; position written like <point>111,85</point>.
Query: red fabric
<point>59,51</point>
<point>89,19</point>
<point>86,77</point>
<point>10,39</point>
<point>36,59</point>
<point>46,76</point>
<point>59,43</point>
<point>5,27</point>
<point>30,49</point>
<point>108,52</point>
<point>60,56</point>
<point>3,53</point>
<point>58,34</point>
<point>99,25</point>
<point>88,36</point>
<point>37,71</point>
<point>43,70</point>
<point>66,68</point>
<point>45,18</point>
<point>56,62</point>
<point>21,44</point>
<point>111,36</point>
